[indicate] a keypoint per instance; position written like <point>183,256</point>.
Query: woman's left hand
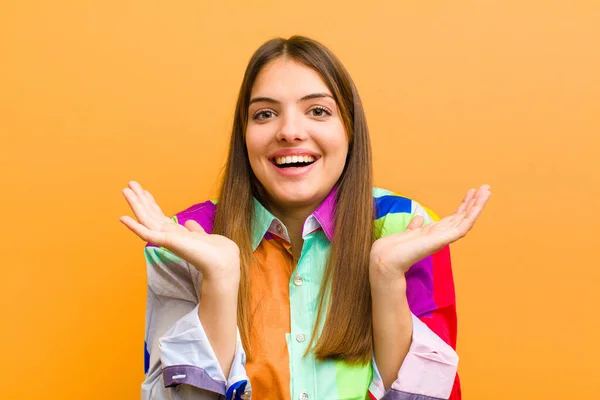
<point>392,256</point>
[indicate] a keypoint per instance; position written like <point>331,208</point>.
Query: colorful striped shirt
<point>284,300</point>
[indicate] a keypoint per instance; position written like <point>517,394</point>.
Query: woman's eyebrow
<point>273,101</point>
<point>316,96</point>
<point>264,99</point>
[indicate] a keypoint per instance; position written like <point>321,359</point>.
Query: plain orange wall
<point>95,93</point>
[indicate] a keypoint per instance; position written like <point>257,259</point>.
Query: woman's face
<point>295,137</point>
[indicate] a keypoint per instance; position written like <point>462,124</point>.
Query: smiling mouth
<point>293,161</point>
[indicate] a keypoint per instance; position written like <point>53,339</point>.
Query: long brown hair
<point>345,290</point>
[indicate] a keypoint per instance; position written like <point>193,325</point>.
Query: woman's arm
<point>183,361</point>
<point>428,362</point>
<point>407,353</point>
<point>218,315</point>
<point>392,324</point>
<point>193,280</point>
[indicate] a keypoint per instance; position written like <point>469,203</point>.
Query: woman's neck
<point>294,219</point>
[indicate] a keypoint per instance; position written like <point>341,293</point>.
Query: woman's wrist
<point>392,322</point>
<point>221,287</point>
<point>218,315</point>
<point>385,278</point>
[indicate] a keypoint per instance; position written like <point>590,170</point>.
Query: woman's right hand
<point>215,256</point>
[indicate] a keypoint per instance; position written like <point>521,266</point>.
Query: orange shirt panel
<point>268,369</point>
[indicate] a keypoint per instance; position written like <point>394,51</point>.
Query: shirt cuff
<point>427,373</point>
<point>188,358</point>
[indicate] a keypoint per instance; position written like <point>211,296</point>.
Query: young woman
<point>302,281</point>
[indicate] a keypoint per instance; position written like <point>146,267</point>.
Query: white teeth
<point>294,159</point>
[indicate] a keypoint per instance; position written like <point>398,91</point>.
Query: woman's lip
<point>291,172</point>
<point>293,152</point>
<point>273,160</point>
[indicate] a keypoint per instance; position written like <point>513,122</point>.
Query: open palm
<point>215,256</point>
<point>393,255</point>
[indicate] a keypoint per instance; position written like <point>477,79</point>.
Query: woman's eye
<point>320,112</point>
<point>263,115</point>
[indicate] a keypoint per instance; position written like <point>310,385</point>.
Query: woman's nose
<point>291,129</point>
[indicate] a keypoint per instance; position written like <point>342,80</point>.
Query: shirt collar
<point>325,214</point>
<point>265,222</point>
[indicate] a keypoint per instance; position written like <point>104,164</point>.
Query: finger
<point>140,212</point>
<point>142,232</point>
<point>466,199</point>
<point>480,202</point>
<point>193,226</point>
<point>474,212</point>
<point>468,222</point>
<point>153,202</point>
<point>414,229</point>
<point>480,199</point>
<point>483,195</point>
<point>480,196</point>
<point>400,237</point>
<point>415,223</point>
<point>156,210</point>
<point>140,192</point>
<point>154,218</point>
<point>136,187</point>
<point>459,217</point>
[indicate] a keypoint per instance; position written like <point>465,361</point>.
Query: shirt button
<point>298,280</point>
<point>278,228</point>
<point>303,396</point>
<point>301,338</point>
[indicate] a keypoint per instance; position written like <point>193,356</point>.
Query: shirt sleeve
<point>429,369</point>
<point>427,372</point>
<point>180,362</point>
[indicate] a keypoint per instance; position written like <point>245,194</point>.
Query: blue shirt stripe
<point>392,204</point>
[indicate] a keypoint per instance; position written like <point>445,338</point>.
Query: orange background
<point>95,93</point>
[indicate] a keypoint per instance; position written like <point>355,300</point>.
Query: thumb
<point>193,226</point>
<point>415,223</point>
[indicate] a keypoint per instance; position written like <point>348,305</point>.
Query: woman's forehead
<point>285,78</point>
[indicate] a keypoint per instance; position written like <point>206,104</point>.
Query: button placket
<point>300,296</point>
